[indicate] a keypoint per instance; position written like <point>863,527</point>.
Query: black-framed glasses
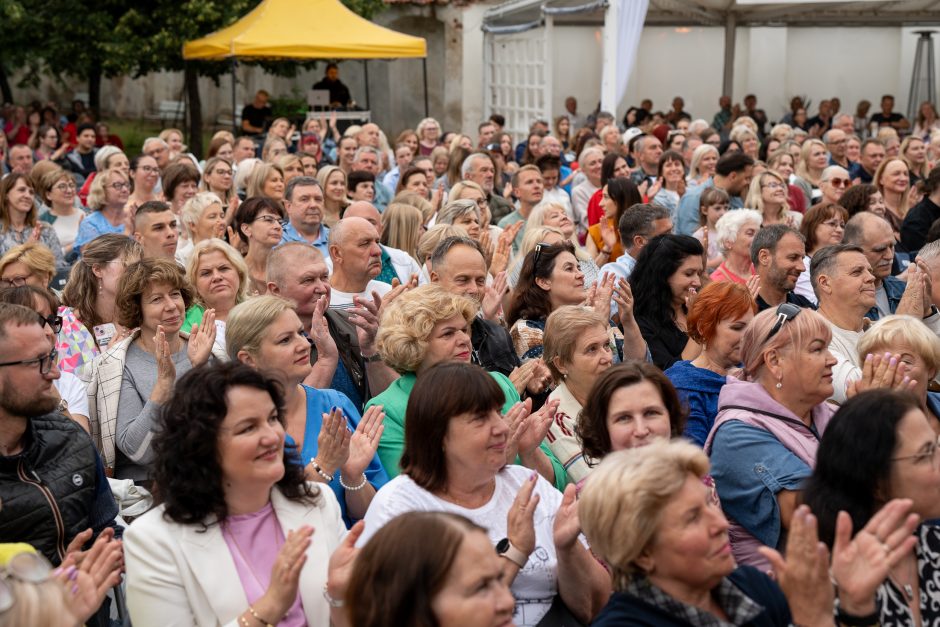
<point>54,321</point>
<point>785,313</point>
<point>27,567</point>
<point>45,362</point>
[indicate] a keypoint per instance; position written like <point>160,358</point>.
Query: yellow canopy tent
<point>306,29</point>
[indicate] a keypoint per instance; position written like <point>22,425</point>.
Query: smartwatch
<point>504,548</point>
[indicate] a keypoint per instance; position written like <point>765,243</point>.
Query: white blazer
<point>179,576</point>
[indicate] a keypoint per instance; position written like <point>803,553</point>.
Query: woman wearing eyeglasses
<point>258,223</point>
<point>764,440</point>
<point>823,225</point>
<point>57,191</point>
<point>107,198</point>
<point>18,219</point>
<point>833,183</point>
<point>218,178</point>
<point>144,178</point>
<point>33,264</point>
<point>880,446</point>
<point>768,194</point>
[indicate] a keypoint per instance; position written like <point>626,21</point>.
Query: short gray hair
<point>467,164</point>
<point>830,170</point>
<point>104,154</point>
<point>638,220</point>
<point>930,251</point>
<point>299,181</point>
<point>457,209</point>
<point>285,256</point>
<point>152,140</point>
<point>447,244</point>
<point>729,224</point>
<point>364,149</point>
<point>194,207</point>
<point>826,259</point>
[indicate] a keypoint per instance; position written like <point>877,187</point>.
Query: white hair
<point>697,126</point>
<point>697,155</point>
<point>829,171</point>
<point>729,224</point>
<point>193,209</point>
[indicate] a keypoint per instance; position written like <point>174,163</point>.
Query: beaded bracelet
<point>354,488</point>
<point>319,471</point>
<point>330,600</point>
<point>254,615</point>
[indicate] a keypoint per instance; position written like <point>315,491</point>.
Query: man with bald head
<point>396,263</point>
<point>344,361</point>
<point>874,235</point>
<point>357,261</point>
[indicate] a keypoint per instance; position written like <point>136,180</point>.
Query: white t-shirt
<point>537,584</point>
<point>344,300</point>
<point>73,391</point>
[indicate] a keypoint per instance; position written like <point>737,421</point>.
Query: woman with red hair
<point>716,320</point>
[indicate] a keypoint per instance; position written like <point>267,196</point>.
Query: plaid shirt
<point>739,608</point>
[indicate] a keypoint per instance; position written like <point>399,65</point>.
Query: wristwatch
<point>504,548</point>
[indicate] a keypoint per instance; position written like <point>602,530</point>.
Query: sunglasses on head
<point>26,567</point>
<point>785,313</point>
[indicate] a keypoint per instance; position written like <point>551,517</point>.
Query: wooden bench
<point>169,113</point>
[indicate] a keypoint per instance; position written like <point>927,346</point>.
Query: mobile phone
<point>104,333</point>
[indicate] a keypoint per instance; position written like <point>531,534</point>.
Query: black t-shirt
<point>338,91</point>
<point>792,297</point>
<point>258,118</point>
<point>881,118</point>
<point>88,162</point>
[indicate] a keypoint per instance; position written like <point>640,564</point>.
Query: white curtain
<point>622,28</point>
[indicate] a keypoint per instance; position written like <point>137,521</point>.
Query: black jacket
<point>917,223</point>
<point>54,489</point>
<point>625,609</point>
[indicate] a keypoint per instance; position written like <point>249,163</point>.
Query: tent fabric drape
<point>629,28</point>
<point>305,29</point>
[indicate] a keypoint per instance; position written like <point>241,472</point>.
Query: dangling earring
<point>100,286</point>
<point>779,385</point>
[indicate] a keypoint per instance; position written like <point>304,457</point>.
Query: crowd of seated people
<point>674,371</point>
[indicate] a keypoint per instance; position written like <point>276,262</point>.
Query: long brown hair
<point>6,186</point>
<point>81,291</point>
<point>403,567</point>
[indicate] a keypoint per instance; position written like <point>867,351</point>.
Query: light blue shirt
<point>383,196</point>
<point>93,225</point>
<point>290,234</point>
<point>621,267</point>
<point>689,208</point>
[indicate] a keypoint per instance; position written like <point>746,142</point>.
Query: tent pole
<point>727,79</point>
<point>234,122</point>
<point>424,67</point>
<point>365,75</point>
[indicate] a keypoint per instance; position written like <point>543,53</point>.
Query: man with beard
<point>55,493</point>
<point>777,254</point>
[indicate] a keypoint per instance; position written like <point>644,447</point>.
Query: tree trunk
<point>5,91</point>
<point>193,109</point>
<point>94,89</point>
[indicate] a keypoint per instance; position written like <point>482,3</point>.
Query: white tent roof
<point>715,12</point>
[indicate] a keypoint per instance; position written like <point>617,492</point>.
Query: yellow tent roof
<point>305,29</point>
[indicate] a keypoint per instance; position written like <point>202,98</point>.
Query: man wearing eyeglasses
<point>51,477</point>
<point>875,237</point>
<point>837,141</point>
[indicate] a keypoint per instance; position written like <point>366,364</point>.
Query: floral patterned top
<point>10,238</point>
<point>75,343</point>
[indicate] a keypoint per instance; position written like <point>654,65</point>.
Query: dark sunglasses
<point>785,313</point>
<point>54,321</point>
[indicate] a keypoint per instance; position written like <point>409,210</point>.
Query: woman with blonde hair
<point>174,140</point>
<point>429,136</point>
<point>291,165</point>
<point>702,168</point>
<point>814,158</point>
<point>914,153</point>
<point>202,218</point>
<point>424,327</point>
<point>768,195</point>
<point>892,178</point>
<point>267,179</point>
<point>402,227</point>
<point>332,181</point>
<point>107,199</point>
<point>219,277</point>
<point>746,137</point>
<point>242,174</point>
<point>218,177</point>
<point>417,201</point>
<point>330,439</point>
